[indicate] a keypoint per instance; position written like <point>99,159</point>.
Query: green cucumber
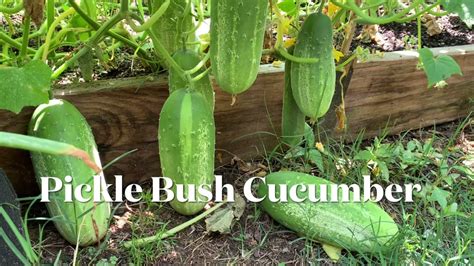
<point>237,33</point>
<point>167,28</point>
<point>83,223</point>
<point>292,119</point>
<point>186,136</point>
<point>314,84</point>
<point>363,227</point>
<point>187,60</point>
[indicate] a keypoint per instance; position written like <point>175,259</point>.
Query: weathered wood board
<point>124,113</point>
<point>391,92</point>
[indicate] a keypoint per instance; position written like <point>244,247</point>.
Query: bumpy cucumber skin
<point>61,121</point>
<point>166,28</point>
<point>314,84</point>
<point>237,34</point>
<point>293,120</point>
<point>363,227</point>
<point>187,60</point>
<point>186,136</point>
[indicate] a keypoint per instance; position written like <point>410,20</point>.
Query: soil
<point>396,37</point>
<point>392,37</point>
<point>254,239</point>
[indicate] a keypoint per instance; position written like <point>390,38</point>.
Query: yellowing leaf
<point>337,54</point>
<point>289,42</point>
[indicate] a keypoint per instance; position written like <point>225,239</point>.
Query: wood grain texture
<point>124,114</point>
<point>394,94</point>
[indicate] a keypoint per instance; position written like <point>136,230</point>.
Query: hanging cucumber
<point>84,223</point>
<point>187,60</point>
<point>314,84</point>
<point>292,119</point>
<point>363,227</point>
<point>186,136</point>
<point>237,33</point>
<point>173,24</point>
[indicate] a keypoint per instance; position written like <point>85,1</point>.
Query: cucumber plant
<point>168,28</point>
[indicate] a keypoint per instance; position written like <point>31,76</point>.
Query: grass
<point>144,223</point>
<point>437,228</point>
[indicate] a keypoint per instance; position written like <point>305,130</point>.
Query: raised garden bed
<point>384,93</point>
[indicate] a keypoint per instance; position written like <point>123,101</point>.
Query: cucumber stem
<point>173,231</point>
<point>51,30</point>
<point>11,10</point>
<point>199,65</point>
<point>91,43</point>
<point>26,32</point>
<point>152,20</point>
<point>112,34</point>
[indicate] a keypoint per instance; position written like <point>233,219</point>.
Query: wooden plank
<point>124,116</point>
<point>124,113</point>
<point>395,94</point>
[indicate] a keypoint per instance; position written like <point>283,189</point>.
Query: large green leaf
<point>25,86</point>
<point>463,8</point>
<point>438,68</point>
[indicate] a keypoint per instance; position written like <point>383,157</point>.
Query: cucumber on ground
<point>292,119</point>
<point>186,136</point>
<point>187,60</point>
<point>167,28</point>
<point>314,84</point>
<point>237,33</point>
<point>78,222</point>
<point>363,227</point>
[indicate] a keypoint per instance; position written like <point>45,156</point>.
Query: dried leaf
<point>341,118</point>
<point>223,219</point>
<point>34,9</point>
<point>431,24</point>
<point>370,33</point>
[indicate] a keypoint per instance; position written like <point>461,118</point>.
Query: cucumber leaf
<point>463,8</point>
<point>25,86</point>
<point>288,6</point>
<point>438,68</point>
<point>309,136</point>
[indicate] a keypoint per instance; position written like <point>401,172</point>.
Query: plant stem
<point>279,41</point>
<point>418,13</point>
<point>367,19</point>
<point>7,39</point>
<point>91,43</point>
<point>123,6</point>
<point>12,10</point>
<point>50,13</point>
<point>51,30</point>
<point>173,231</point>
<point>161,50</point>
<point>114,35</point>
<point>26,32</point>
<point>23,142</point>
<point>152,20</point>
<point>199,65</point>
<point>418,25</point>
